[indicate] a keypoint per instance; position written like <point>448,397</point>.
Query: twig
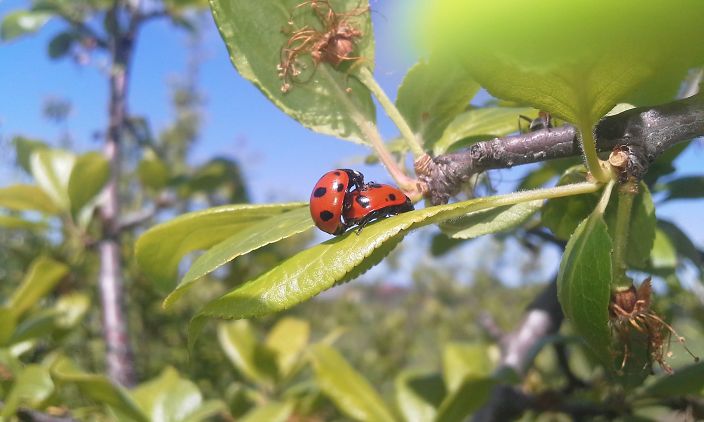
<point>31,415</point>
<point>647,131</point>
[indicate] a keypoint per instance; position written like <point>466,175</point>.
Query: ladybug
<point>329,197</point>
<point>373,202</point>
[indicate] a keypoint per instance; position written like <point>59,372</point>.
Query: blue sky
<point>281,159</point>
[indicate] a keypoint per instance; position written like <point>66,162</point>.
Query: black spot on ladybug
<point>326,215</point>
<point>319,192</point>
<point>373,185</point>
<point>392,197</point>
<point>339,186</point>
<point>337,173</point>
<point>363,201</point>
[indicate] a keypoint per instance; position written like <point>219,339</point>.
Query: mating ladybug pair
<point>341,200</point>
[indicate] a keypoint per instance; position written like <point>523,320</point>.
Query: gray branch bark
<point>119,356</point>
<point>648,131</point>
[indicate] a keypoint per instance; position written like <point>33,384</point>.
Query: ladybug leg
<point>362,223</point>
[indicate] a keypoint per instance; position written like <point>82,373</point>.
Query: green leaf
<point>71,308</point>
<point>270,412</point>
<point>684,188</point>
<point>444,92</point>
<point>153,172</point>
<point>32,386</point>
<point>480,123</point>
<point>597,60</point>
<point>168,397</point>
<point>345,257</point>
<point>24,148</point>
<point>469,397</point>
<point>100,389</point>
<point>10,222</point>
<point>288,339</point>
<point>22,22</point>
<point>254,37</point>
<point>26,198</point>
<point>254,236</point>
<point>36,325</point>
<point>88,177</point>
<point>255,361</point>
<point>52,171</point>
<point>206,411</point>
<point>663,255</point>
<point>682,243</point>
<point>490,221</point>
<point>687,380</point>
<point>641,233</point>
<point>547,171</point>
<point>41,277</point>
<point>462,361</point>
<point>348,389</point>
<point>61,44</point>
<point>584,284</point>
<point>160,249</point>
<point>563,215</point>
<point>8,322</point>
<point>419,395</point>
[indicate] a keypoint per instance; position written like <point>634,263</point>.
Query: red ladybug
<point>328,198</point>
<point>374,201</point>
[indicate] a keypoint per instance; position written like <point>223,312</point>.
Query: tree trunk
<point>119,357</point>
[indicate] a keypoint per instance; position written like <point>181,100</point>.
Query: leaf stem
<point>594,164</point>
<point>626,193</point>
<point>605,196</point>
<point>367,78</point>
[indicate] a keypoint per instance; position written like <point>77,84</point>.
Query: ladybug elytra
<point>328,198</point>
<point>374,201</point>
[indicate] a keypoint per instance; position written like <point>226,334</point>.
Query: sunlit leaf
<point>469,396</point>
<point>41,277</point>
<point>26,198</point>
<point>160,249</point>
<point>23,149</point>
<point>10,222</point>
<point>254,236</point>
<point>663,254</point>
<point>168,397</point>
<point>270,412</point>
<point>288,339</point>
<point>348,389</point>
<point>331,101</point>
<point>641,233</point>
<point>52,171</point>
<point>431,95</point>
<point>480,122</point>
<point>584,284</point>
<point>32,386</point>
<point>462,361</point>
<point>596,61</point>
<point>89,175</point>
<point>490,221</point>
<point>22,22</point>
<point>343,258</point>
<point>419,395</point>
<point>252,359</point>
<point>152,171</point>
<point>100,389</point>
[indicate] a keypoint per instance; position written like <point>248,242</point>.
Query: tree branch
<point>646,131</point>
<point>25,414</point>
<point>543,318</point>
